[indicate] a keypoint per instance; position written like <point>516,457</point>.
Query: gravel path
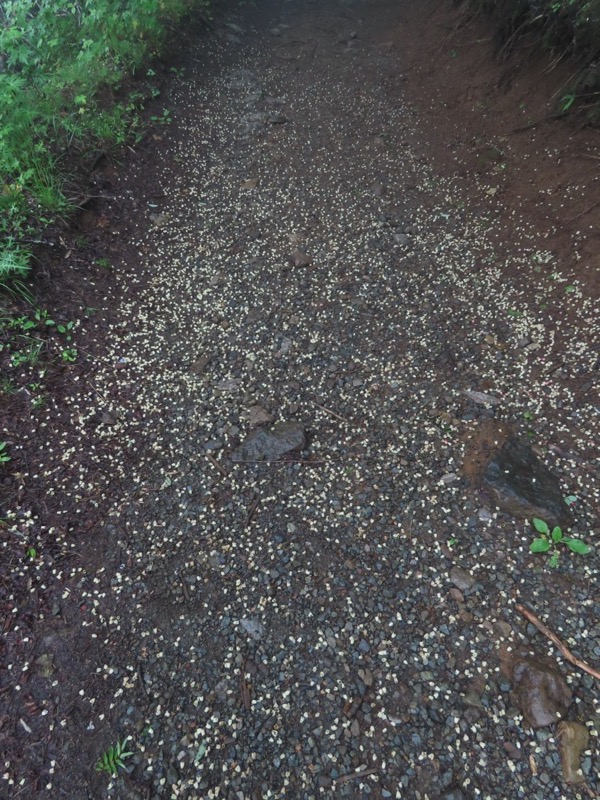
<point>325,625</point>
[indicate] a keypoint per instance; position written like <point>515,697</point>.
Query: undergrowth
<point>568,28</point>
<point>63,66</point>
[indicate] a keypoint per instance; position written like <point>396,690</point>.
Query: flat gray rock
<point>524,487</point>
<point>270,444</point>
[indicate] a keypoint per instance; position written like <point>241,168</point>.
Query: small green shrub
<point>113,758</point>
<point>4,457</point>
<point>62,68</point>
<point>569,27</point>
<point>550,542</point>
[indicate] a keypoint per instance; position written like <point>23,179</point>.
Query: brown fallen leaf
<point>574,739</point>
<point>351,707</point>
<point>246,693</point>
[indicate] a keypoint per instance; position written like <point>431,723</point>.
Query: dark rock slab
<point>300,259</point>
<point>523,486</point>
<point>270,444</point>
<point>542,693</point>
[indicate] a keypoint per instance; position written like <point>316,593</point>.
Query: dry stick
<point>554,638</point>
<point>535,123</point>
<point>584,212</point>
<point>216,465</point>
<point>352,776</point>
<point>329,411</point>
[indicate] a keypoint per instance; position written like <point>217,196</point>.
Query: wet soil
<point>360,211</point>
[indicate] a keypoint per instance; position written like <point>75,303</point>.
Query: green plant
<point>29,355</point>
<point>113,758</point>
<point>31,553</point>
<point>104,263</point>
<point>66,330</point>
<point>7,386</point>
<point>549,541</point>
<point>164,118</point>
<point>64,68</point>
<point>69,354</point>
<point>4,457</point>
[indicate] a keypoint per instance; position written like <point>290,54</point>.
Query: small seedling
<point>66,330</point>
<point>29,356</point>
<point>114,758</point>
<point>4,457</point>
<point>528,415</point>
<point>31,553</point>
<point>69,355</point>
<point>164,118</point>
<point>43,318</point>
<point>104,263</point>
<point>18,358</point>
<point>7,386</point>
<point>549,541</point>
<point>570,289</point>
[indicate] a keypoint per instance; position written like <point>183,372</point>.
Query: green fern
<point>114,758</point>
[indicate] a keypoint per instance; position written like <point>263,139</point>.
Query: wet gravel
<point>327,625</point>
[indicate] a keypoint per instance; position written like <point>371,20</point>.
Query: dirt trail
<point>294,248</point>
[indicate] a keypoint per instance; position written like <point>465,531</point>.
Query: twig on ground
<point>353,776</point>
<point>140,671</point>
<point>252,511</point>
<point>584,212</point>
<point>216,465</point>
<point>554,638</point>
<point>329,411</point>
<point>535,123</point>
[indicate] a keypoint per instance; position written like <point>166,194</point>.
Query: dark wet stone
<point>200,364</point>
<point>541,691</point>
<point>300,258</point>
<point>525,487</point>
<point>454,794</point>
<point>271,444</point>
<point>462,578</point>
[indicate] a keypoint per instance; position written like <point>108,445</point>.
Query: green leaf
<point>577,546</point>
<point>570,289</point>
<point>557,534</point>
<point>570,499</point>
<point>540,525</point>
<point>540,546</point>
<point>553,561</point>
